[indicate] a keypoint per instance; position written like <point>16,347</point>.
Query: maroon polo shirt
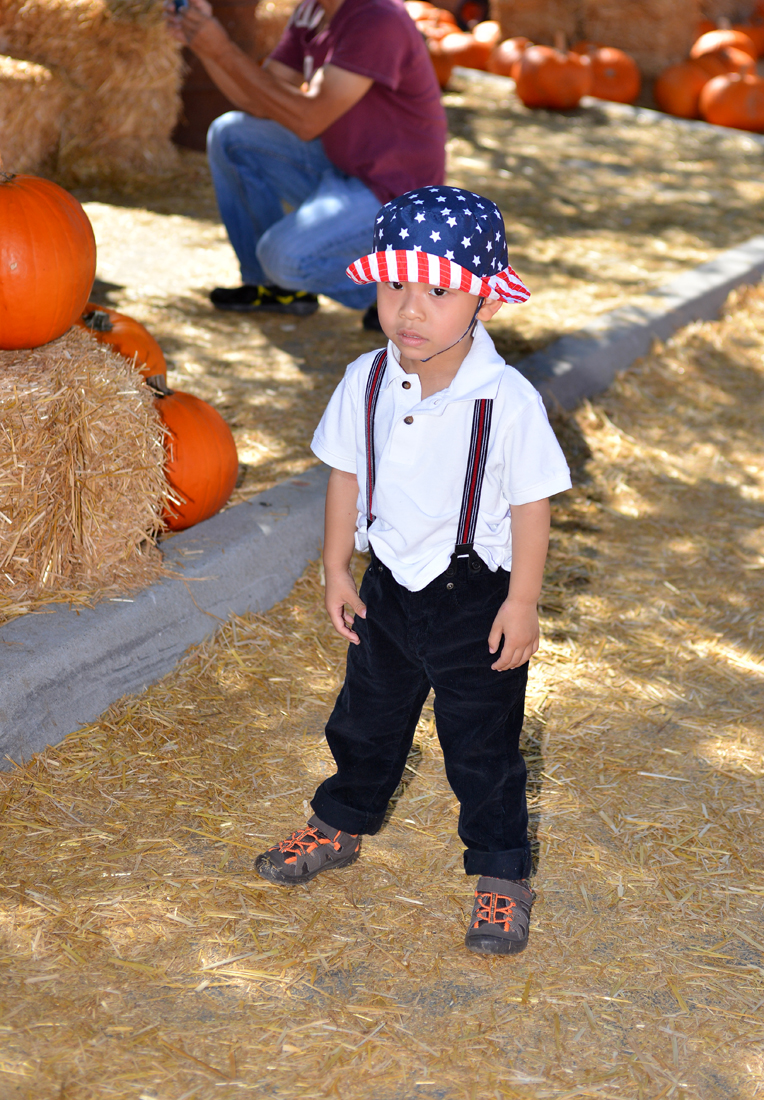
<point>394,138</point>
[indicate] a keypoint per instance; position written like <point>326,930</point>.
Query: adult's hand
<point>186,24</point>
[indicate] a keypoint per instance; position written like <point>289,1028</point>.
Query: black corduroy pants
<point>411,642</point>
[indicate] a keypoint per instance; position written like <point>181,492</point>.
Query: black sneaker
<point>307,852</point>
<point>370,320</point>
<point>270,299</point>
<point>500,917</point>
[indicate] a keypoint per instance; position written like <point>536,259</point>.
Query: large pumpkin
<point>202,463</point>
<point>677,89</point>
<point>504,59</point>
<point>615,75</point>
<point>725,59</point>
<point>550,78</point>
<point>734,100</point>
<point>464,49</point>
<point>127,336</point>
<point>47,261</point>
<point>714,39</point>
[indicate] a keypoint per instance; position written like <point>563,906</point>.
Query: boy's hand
<point>341,590</point>
<point>519,623</point>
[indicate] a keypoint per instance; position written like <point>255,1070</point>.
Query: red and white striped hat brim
<point>398,266</point>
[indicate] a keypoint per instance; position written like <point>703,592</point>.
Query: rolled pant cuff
<point>344,817</point>
<point>512,864</point>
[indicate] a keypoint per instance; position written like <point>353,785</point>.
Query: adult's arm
<point>268,92</point>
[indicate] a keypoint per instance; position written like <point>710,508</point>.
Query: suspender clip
<point>464,550</point>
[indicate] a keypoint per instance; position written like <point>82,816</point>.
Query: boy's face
<point>422,320</point>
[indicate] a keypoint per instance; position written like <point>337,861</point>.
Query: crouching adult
<point>343,116</point>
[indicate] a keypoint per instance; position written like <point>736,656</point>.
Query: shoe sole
<point>266,870</point>
<point>494,945</point>
<point>297,309</point>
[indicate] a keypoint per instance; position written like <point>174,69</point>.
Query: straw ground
<point>143,957</point>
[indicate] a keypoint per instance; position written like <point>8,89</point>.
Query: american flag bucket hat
<point>446,237</point>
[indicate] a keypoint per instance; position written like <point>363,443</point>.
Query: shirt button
<point>406,385</point>
<point>450,585</point>
<point>408,420</point>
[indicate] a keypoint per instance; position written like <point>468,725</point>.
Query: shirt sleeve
<point>334,440</point>
<point>373,43</point>
<point>534,465</point>
<point>289,50</point>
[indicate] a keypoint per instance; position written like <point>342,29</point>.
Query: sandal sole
<point>268,871</point>
<point>494,945</point>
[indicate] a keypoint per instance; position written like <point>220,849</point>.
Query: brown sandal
<point>307,852</point>
<point>500,917</point>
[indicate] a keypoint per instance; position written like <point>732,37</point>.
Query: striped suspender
<point>473,481</point>
<point>373,386</point>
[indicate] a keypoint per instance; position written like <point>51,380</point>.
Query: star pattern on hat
<point>460,227</point>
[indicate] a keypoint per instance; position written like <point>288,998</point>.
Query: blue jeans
<point>410,642</point>
<point>256,166</point>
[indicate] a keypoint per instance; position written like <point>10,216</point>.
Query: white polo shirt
<point>421,465</point>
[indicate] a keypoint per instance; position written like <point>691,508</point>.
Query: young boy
<point>442,465</point>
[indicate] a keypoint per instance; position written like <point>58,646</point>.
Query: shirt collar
<point>478,376</point>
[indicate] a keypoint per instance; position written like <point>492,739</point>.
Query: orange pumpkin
<point>714,39</point>
<point>504,57</point>
<point>755,31</point>
<point>735,100</point>
<point>418,9</point>
<point>677,89</point>
<point>488,31</point>
<point>128,337</point>
<point>464,49</point>
<point>202,463</point>
<point>724,59</point>
<point>615,75</point>
<point>443,65</point>
<point>47,261</point>
<point>553,79</point>
<point>432,22</point>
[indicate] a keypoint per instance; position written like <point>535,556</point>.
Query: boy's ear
<point>489,309</point>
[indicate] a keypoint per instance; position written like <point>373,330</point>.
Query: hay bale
<point>656,33</point>
<point>125,73</point>
<point>538,20</point>
<point>82,486</point>
<point>32,100</point>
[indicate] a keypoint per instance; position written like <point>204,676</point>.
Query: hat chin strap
<point>468,332</point>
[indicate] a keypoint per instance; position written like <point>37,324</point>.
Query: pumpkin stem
<point>559,41</point>
<point>158,383</point>
<point>97,320</point>
<point>7,176</point>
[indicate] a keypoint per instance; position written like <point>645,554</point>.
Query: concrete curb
<point>585,362</point>
<point>61,670</point>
